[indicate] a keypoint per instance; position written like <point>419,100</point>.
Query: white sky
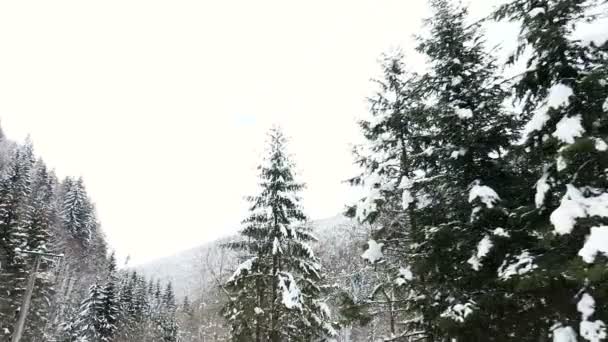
<point>162,106</point>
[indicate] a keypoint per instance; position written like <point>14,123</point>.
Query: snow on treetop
<point>559,95</point>
<point>574,205</point>
<point>373,252</point>
<point>483,248</point>
<point>484,193</point>
<point>569,128</point>
<point>597,242</point>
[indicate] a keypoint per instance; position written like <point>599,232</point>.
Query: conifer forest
<point>483,213</point>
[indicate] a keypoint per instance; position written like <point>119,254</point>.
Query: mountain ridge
<point>196,269</point>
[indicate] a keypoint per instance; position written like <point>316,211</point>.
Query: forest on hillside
<point>485,215</point>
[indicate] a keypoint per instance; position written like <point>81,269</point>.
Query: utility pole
<point>31,281</point>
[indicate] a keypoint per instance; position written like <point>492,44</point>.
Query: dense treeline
<point>79,295</point>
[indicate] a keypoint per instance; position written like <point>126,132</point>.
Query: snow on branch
<point>483,248</point>
<point>559,95</point>
<point>597,242</point>
<point>484,193</point>
<point>290,290</point>
<point>523,264</point>
<point>243,267</point>
<point>458,312</point>
<point>574,206</point>
<point>373,252</point>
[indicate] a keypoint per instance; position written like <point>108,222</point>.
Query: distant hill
<point>194,271</point>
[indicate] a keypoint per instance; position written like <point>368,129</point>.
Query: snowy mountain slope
<point>196,270</point>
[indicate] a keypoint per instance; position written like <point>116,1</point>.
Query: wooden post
<point>25,306</point>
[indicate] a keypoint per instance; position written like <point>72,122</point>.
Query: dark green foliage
<point>275,294</point>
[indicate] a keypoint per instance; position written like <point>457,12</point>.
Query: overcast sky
<point>162,106</point>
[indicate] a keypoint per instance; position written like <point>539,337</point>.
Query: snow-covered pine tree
<point>89,323</point>
<point>39,239</point>
<point>166,320</point>
<point>141,300</point>
<point>393,134</point>
<point>76,211</point>
<point>15,215</point>
<point>110,306</point>
<point>186,305</point>
<point>564,94</point>
<point>99,312</point>
<point>438,181</point>
<point>187,322</point>
<point>168,298</point>
<point>275,293</point>
<point>126,321</point>
<point>462,230</point>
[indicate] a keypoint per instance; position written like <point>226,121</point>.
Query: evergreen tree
<point>460,234</point>
<point>15,216</point>
<point>394,133</point>
<point>39,239</point>
<point>98,314</point>
<point>89,323</point>
<point>168,298</point>
<point>276,291</point>
<point>166,320</point>
<point>187,321</point>
<point>186,305</point>
<point>77,212</point>
<point>110,306</point>
<point>563,144</point>
<point>126,320</point>
<point>438,179</point>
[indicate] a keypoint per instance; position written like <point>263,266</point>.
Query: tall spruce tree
<point>463,230</point>
<point>89,323</point>
<point>76,212</point>
<point>275,292</point>
<point>563,93</point>
<point>439,183</point>
<point>393,135</point>
<point>15,216</point>
<point>110,306</point>
<point>166,320</point>
<point>99,312</point>
<point>39,233</point>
